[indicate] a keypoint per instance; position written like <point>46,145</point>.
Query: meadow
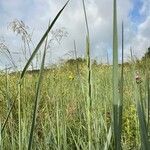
<point>77,105</point>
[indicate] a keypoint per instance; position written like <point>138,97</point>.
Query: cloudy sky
<point>37,13</point>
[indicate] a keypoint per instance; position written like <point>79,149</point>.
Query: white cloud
<point>145,8</point>
<point>36,14</point>
<point>141,41</point>
<point>144,28</point>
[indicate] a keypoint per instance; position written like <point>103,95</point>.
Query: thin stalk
<point>148,97</point>
<point>107,58</point>
<point>0,133</point>
<point>8,115</point>
<point>9,105</point>
<point>122,88</point>
<point>78,70</point>
<point>19,116</point>
<point>58,125</point>
<point>89,93</point>
<point>75,52</point>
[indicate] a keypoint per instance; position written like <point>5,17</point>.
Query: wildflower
<point>138,78</point>
<point>71,77</point>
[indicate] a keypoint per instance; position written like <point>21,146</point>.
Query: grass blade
<point>142,121</point>
<point>120,106</point>
<point>108,141</point>
<point>37,98</point>
<point>8,115</point>
<point>42,40</point>
<point>116,101</point>
<point>148,98</point>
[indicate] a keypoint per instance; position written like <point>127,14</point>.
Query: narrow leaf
<point>42,40</point>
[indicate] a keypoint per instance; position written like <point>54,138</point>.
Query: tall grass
<point>117,106</point>
<point>71,107</point>
<point>63,97</point>
<point>38,88</point>
<point>89,88</point>
<point>139,101</point>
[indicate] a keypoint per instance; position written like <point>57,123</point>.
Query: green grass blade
<point>19,117</point>
<point>78,68</point>
<point>73,137</point>
<point>8,115</point>
<point>86,20</point>
<point>148,98</point>
<point>122,67</point>
<point>142,121</point>
<point>108,142</point>
<point>120,106</point>
<point>146,61</point>
<point>140,110</point>
<point>116,102</point>
<point>42,40</point>
<point>115,57</point>
<point>0,134</point>
<point>37,98</point>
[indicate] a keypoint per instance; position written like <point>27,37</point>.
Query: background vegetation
<point>78,104</point>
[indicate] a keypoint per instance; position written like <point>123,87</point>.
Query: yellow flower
<point>71,77</point>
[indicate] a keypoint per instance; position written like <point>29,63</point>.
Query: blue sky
<point>135,12</point>
<point>36,13</point>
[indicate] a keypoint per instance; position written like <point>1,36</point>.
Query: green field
<point>77,105</point>
<point>61,121</point>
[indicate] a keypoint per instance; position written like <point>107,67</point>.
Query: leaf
<point>42,40</point>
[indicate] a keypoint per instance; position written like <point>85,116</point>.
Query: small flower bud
<point>138,78</point>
